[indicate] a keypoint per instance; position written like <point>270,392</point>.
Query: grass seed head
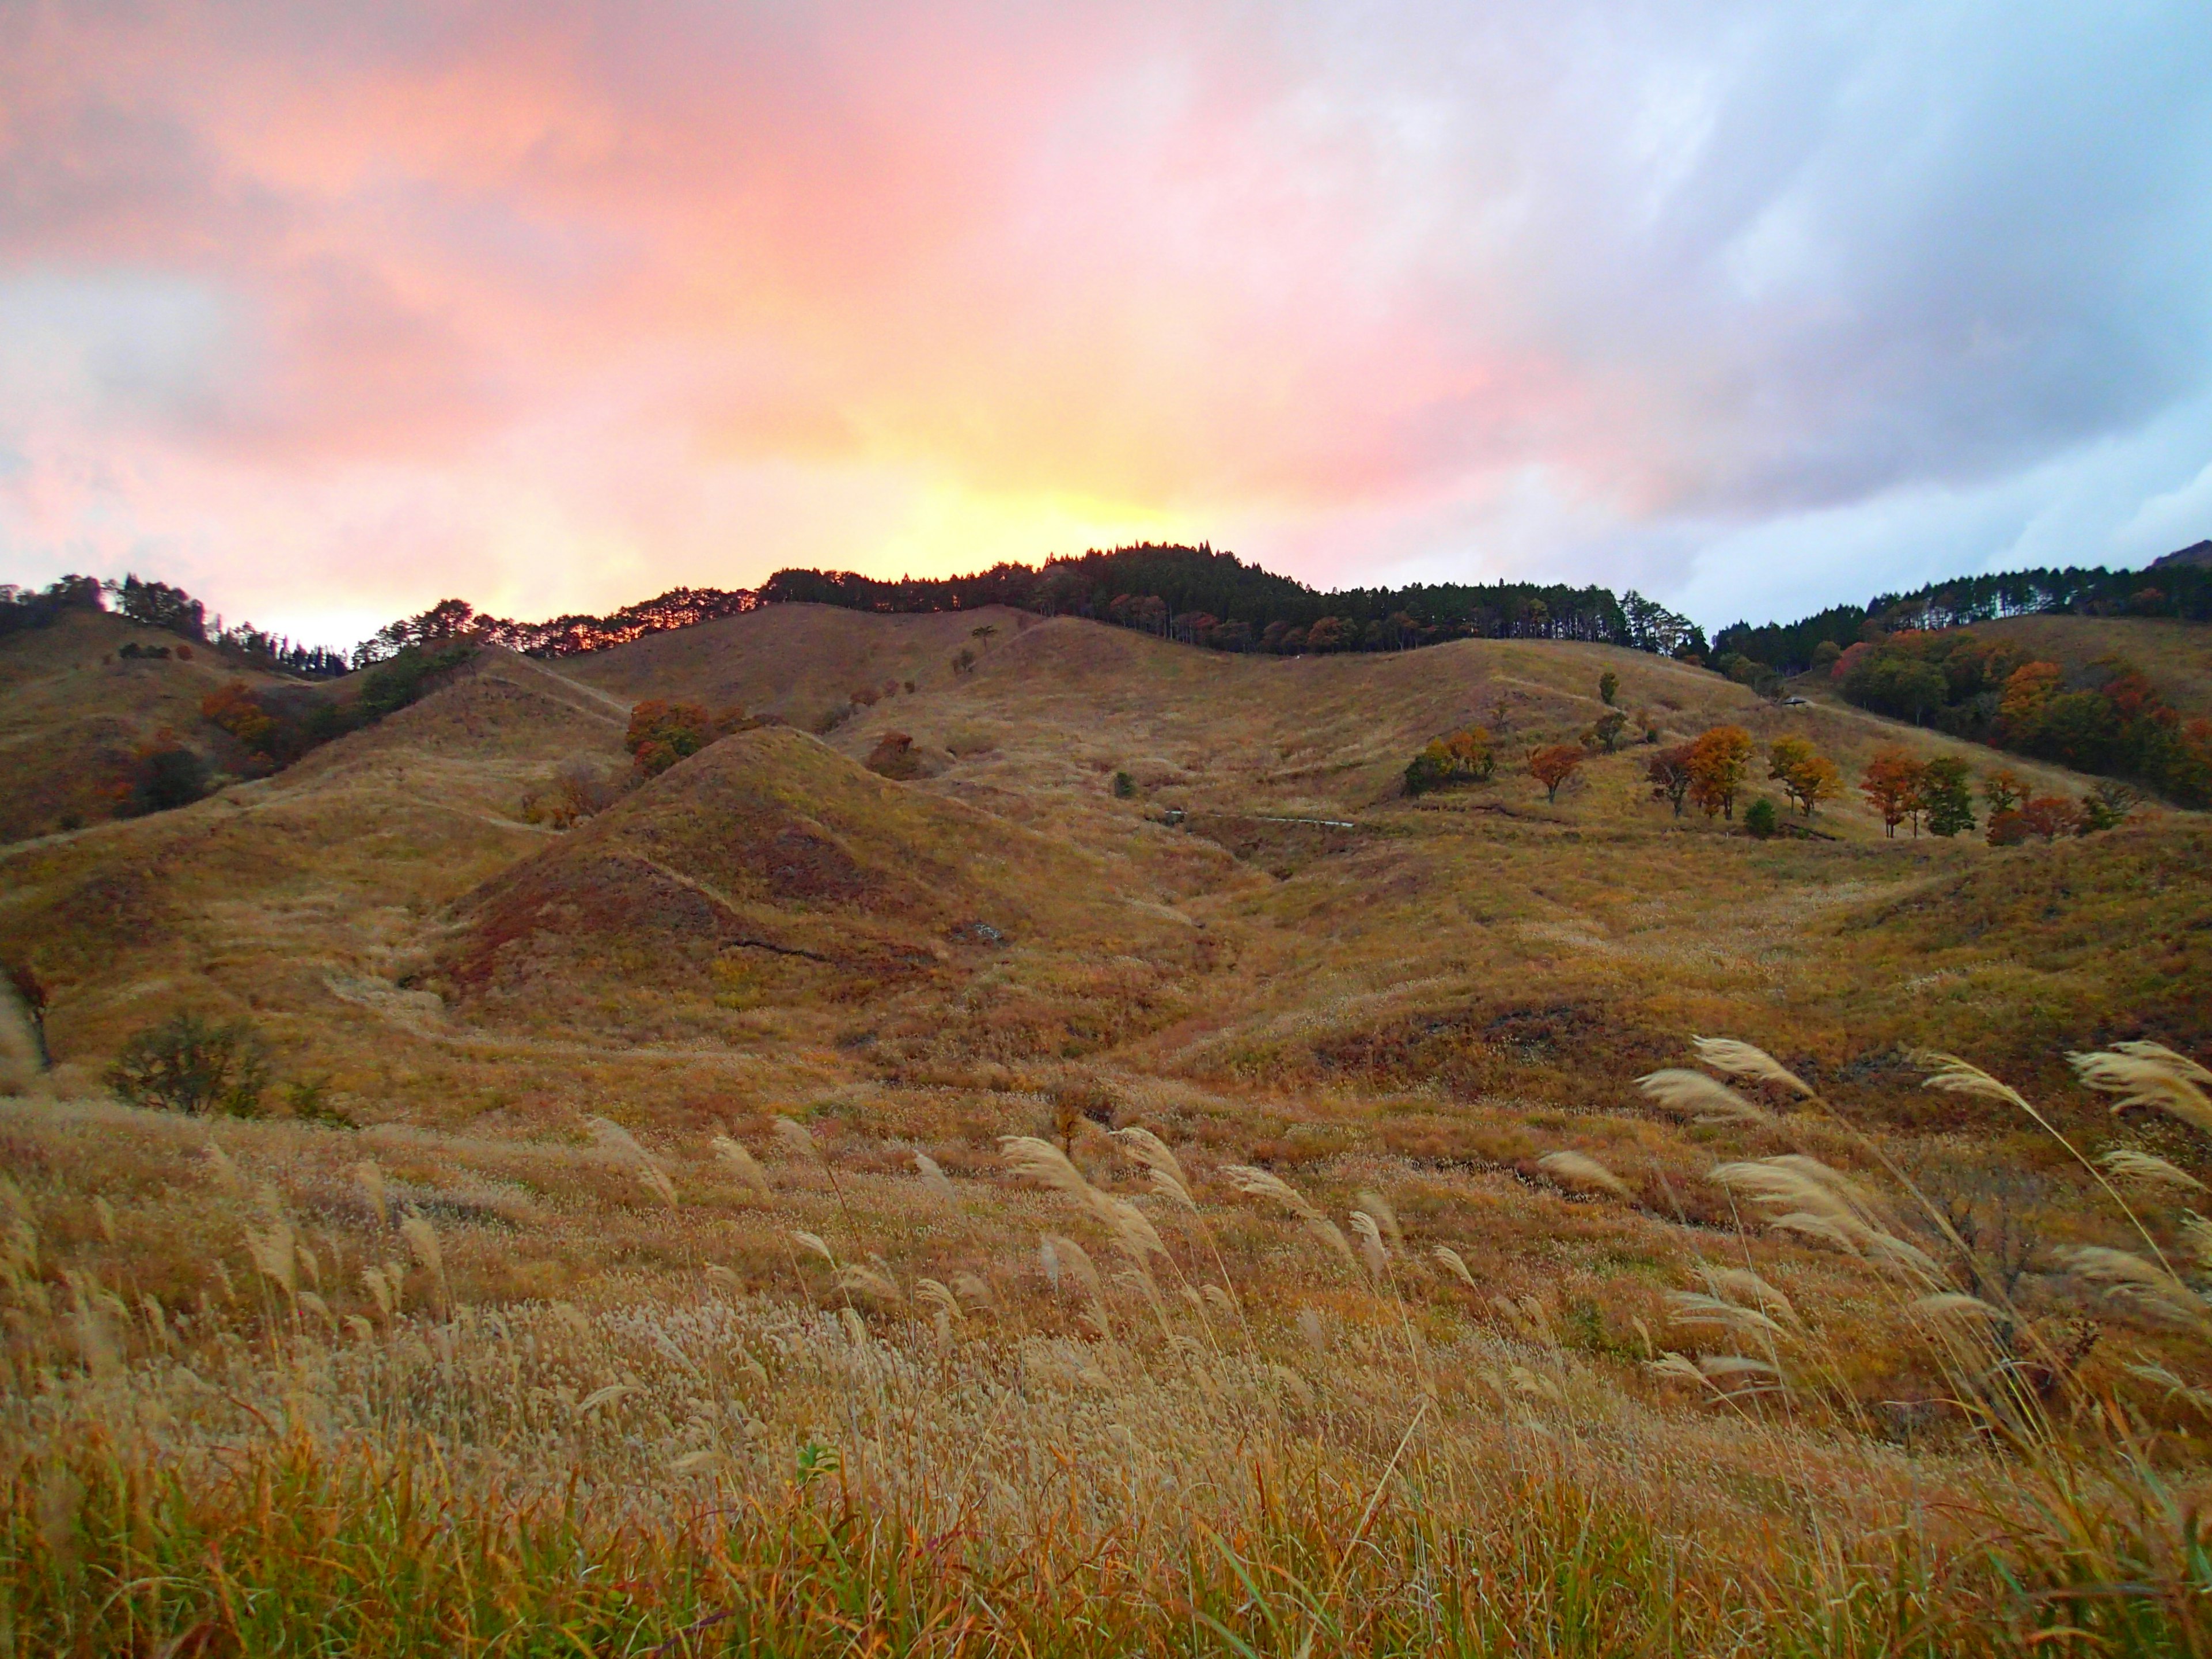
<point>1456,1264</point>
<point>275,1257</point>
<point>2126,1164</point>
<point>1742,1060</point>
<point>796,1139</point>
<point>654,1180</point>
<point>1385,1217</point>
<point>1954,1305</point>
<point>1370,1244</point>
<point>1149,1149</point>
<point>933,1176</point>
<point>732,1151</point>
<point>1701,1099</point>
<point>2123,1277</point>
<point>221,1167</point>
<point>1579,1170</point>
<point>1039,1160</point>
<point>1695,1308</point>
<point>370,1179</point>
<point>423,1241</point>
<point>2159,1079</point>
<point>2180,1065</point>
<point>1955,1075</point>
<point>856,1280</point>
<point>1076,1261</point>
<point>610,1137</point>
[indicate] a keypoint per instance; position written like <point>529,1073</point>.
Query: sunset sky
<point>327,311</point>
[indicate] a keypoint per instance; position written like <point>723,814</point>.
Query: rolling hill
<point>655,1169</point>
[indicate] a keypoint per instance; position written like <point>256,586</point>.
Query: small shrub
<point>662,733</point>
<point>1124,786</point>
<point>2052,817</point>
<point>186,1065</point>
<point>31,997</point>
<point>163,776</point>
<point>1608,687</point>
<point>2003,790</point>
<point>233,708</point>
<point>964,661</point>
<point>307,1100</point>
<point>1462,756</point>
<point>1074,1104</point>
<point>966,740</point>
<point>1761,819</point>
<point>1604,732</point>
<point>893,756</point>
<point>571,795</point>
<point>2106,806</point>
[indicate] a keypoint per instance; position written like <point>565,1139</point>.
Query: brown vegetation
<point>681,1176</point>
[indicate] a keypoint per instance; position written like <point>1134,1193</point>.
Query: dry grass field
<point>673,1285</point>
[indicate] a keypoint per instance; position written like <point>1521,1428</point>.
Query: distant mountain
<point>2198,557</point>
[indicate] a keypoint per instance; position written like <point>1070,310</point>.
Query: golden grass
<point>196,1442</point>
<point>734,1244</point>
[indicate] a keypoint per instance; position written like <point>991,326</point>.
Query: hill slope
<point>73,710</point>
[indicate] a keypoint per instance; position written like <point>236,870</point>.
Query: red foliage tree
<point>1892,786</point>
<point>1554,765</point>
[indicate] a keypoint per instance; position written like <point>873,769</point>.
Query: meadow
<point>796,1210</point>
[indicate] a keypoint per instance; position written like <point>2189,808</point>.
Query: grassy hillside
<point>2174,656</point>
<point>521,1362</point>
<point>792,660</point>
<point>73,710</point>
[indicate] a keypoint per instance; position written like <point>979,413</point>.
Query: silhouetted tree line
<point>157,604</point>
<point>559,637</point>
<point>2169,588</point>
<point>1200,597</point>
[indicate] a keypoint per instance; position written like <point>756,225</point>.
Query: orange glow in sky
<point>328,311</point>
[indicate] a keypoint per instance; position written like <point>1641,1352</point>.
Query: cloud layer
<point>329,310</point>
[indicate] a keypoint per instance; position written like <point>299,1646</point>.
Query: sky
<point>326,310</point>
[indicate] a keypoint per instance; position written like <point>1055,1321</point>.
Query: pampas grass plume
<point>1579,1170</point>
<point>732,1151</point>
<point>1742,1060</point>
<point>1700,1098</point>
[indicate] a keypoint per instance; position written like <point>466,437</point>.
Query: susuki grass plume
<point>734,1154</point>
<point>1255,1182</point>
<point>1581,1172</point>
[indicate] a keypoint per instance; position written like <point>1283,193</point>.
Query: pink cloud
<point>571,299</point>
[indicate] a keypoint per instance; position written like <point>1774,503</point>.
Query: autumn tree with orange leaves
<point>1892,785</point>
<point>1554,765</point>
<point>1806,776</point>
<point>1719,760</point>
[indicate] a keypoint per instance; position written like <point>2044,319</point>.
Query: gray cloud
<point>1743,305</point>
